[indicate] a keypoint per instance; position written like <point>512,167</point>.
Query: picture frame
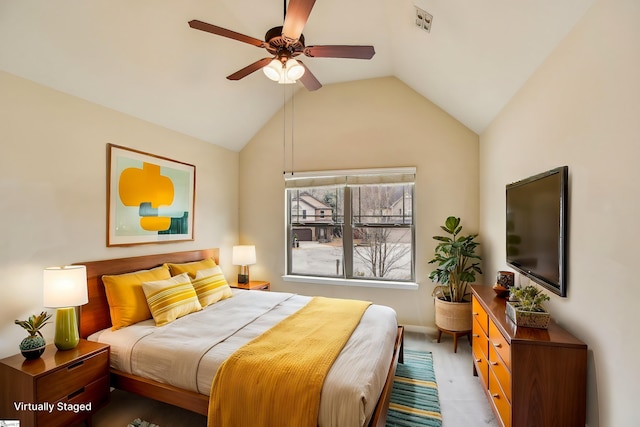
<point>150,198</point>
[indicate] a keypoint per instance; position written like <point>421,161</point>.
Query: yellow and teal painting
<point>151,198</point>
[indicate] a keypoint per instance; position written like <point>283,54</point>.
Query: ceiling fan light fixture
<point>274,70</point>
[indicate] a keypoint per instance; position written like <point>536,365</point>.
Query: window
<point>360,225</point>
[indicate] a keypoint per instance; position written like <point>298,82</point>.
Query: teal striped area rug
<point>414,398</point>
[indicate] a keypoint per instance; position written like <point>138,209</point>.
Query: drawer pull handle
<point>497,345</point>
<point>476,336</point>
<point>75,365</point>
<point>75,393</point>
<point>475,314</point>
<point>494,363</point>
<point>495,396</point>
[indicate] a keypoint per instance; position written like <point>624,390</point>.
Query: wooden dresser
<point>532,377</point>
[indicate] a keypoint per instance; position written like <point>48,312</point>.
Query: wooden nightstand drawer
<point>69,409</point>
<point>67,380</point>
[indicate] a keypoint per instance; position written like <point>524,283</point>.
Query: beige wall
<point>365,124</point>
<point>582,109</point>
<point>53,191</point>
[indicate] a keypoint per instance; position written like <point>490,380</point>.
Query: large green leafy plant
<point>456,262</point>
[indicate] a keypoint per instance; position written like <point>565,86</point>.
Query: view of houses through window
<point>362,231</point>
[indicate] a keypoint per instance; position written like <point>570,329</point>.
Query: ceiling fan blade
<point>250,69</point>
<point>296,17</point>
<point>308,79</point>
<point>213,29</point>
<point>340,51</point>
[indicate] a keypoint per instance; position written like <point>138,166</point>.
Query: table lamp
<point>244,256</point>
<point>65,288</point>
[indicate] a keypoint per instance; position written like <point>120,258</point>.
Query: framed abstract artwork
<point>151,199</point>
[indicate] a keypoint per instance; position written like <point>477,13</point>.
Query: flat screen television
<point>536,224</point>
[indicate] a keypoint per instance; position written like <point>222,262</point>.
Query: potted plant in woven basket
<point>525,307</point>
<point>457,265</point>
<point>33,346</point>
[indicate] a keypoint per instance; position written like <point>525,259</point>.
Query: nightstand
<point>256,285</point>
<point>60,388</point>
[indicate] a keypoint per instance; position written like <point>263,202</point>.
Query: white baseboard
<point>429,330</point>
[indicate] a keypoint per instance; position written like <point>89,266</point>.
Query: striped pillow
<point>211,286</point>
<point>171,298</point>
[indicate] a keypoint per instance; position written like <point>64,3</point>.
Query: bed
<point>95,321</point>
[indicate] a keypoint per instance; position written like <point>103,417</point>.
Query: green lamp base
<point>67,336</point>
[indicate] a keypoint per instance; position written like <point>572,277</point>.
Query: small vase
<point>32,347</point>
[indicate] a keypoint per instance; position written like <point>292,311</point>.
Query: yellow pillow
<point>127,302</point>
<point>191,267</point>
<point>211,286</point>
<point>171,298</point>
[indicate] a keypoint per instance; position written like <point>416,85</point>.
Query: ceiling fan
<point>285,43</point>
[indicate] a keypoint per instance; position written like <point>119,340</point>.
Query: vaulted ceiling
<point>141,58</point>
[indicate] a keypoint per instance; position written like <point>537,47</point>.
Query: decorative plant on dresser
<point>456,267</point>
<point>33,346</point>
<point>525,307</point>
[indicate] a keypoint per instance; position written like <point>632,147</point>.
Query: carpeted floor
<point>414,398</point>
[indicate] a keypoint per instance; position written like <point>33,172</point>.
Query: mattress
<point>187,352</point>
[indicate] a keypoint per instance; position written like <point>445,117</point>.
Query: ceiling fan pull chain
<point>293,93</point>
<point>284,129</point>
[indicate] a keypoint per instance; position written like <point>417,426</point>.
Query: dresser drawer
<point>69,379</point>
<point>482,368</point>
<point>499,400</point>
<point>479,340</point>
<point>65,412</point>
<point>480,315</point>
<point>500,371</point>
<point>500,344</point>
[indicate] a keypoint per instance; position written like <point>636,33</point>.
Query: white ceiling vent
<point>423,19</point>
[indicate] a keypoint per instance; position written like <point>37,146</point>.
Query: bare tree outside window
<point>384,255</point>
<point>379,213</point>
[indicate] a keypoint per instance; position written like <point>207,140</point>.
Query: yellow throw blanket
<point>276,379</point>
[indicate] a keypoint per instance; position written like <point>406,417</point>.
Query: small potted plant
<point>33,346</point>
<point>525,307</point>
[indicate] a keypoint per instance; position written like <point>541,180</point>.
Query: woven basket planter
<point>528,319</point>
<point>453,316</point>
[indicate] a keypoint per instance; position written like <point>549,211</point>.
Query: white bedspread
<point>187,352</point>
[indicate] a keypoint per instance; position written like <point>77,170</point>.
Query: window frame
<point>326,178</point>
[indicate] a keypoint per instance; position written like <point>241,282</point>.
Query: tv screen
<point>537,228</point>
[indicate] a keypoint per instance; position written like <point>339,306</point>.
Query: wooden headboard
<point>94,316</point>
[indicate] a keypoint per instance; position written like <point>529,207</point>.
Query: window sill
<point>351,282</point>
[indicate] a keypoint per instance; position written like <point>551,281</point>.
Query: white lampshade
<point>65,286</point>
<point>243,255</point>
<point>273,70</point>
<point>294,70</point>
